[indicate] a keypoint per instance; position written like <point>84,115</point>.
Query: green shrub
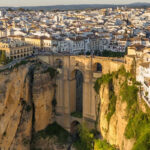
<point>23,62</point>
<point>112,105</point>
<point>86,141</point>
<point>136,125</point>
<point>77,114</point>
<point>138,128</point>
<point>129,94</point>
<point>97,86</point>
<point>106,78</point>
<point>107,53</point>
<point>139,122</point>
<point>102,145</point>
<point>52,72</point>
<point>53,130</point>
<point>3,59</point>
<point>143,142</point>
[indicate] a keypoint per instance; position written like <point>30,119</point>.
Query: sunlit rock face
<point>113,131</point>
<point>26,95</point>
<point>42,92</point>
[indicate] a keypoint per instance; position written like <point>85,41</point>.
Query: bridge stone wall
<point>66,85</point>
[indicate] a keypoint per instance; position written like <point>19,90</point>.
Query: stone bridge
<point>73,96</point>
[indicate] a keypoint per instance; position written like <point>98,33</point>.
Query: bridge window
<point>79,91</point>
<point>97,67</point>
<point>59,63</point>
<point>76,93</point>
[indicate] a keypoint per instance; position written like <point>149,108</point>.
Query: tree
<point>86,138</point>
<point>9,9</point>
<point>3,58</point>
<point>21,9</point>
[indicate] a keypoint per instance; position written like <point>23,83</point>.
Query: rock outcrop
<point>113,130</point>
<point>43,93</point>
<point>26,94</point>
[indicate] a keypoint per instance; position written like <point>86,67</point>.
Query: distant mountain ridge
<point>82,6</point>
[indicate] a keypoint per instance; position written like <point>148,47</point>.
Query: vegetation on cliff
<point>53,130</point>
<point>76,114</point>
<point>138,121</point>
<point>52,72</point>
<point>112,105</point>
<point>88,140</point>
<point>23,62</point>
<point>105,53</point>
<point>102,145</point>
<point>107,79</point>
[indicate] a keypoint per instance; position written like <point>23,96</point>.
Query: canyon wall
<point>114,128</point>
<point>113,131</point>
<point>26,95</point>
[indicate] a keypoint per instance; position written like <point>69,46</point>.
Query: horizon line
<point>76,4</point>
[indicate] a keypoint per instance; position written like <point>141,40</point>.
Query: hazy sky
<point>65,2</point>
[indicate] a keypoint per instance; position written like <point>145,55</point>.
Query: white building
<point>2,13</point>
<point>3,32</point>
<point>143,77</point>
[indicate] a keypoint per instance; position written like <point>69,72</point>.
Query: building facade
<point>16,49</point>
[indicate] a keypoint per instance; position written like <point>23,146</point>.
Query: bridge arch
<point>77,88</point>
<point>74,130</point>
<point>74,127</point>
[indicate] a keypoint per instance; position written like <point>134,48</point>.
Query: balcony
<point>147,100</point>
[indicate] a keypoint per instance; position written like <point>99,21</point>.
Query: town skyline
<point>75,77</point>
<point>21,3</point>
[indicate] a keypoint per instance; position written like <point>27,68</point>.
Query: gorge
<point>34,96</point>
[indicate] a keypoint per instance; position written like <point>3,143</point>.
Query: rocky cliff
<point>114,130</point>
<point>27,100</point>
<point>123,115</point>
<point>26,94</point>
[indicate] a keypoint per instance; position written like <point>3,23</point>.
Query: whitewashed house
<point>143,77</point>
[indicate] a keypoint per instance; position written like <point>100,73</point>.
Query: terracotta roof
<point>145,65</point>
<point>138,47</point>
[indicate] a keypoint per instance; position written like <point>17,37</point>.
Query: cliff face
<point>113,130</point>
<point>26,95</point>
<point>114,116</point>
<point>43,92</point>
